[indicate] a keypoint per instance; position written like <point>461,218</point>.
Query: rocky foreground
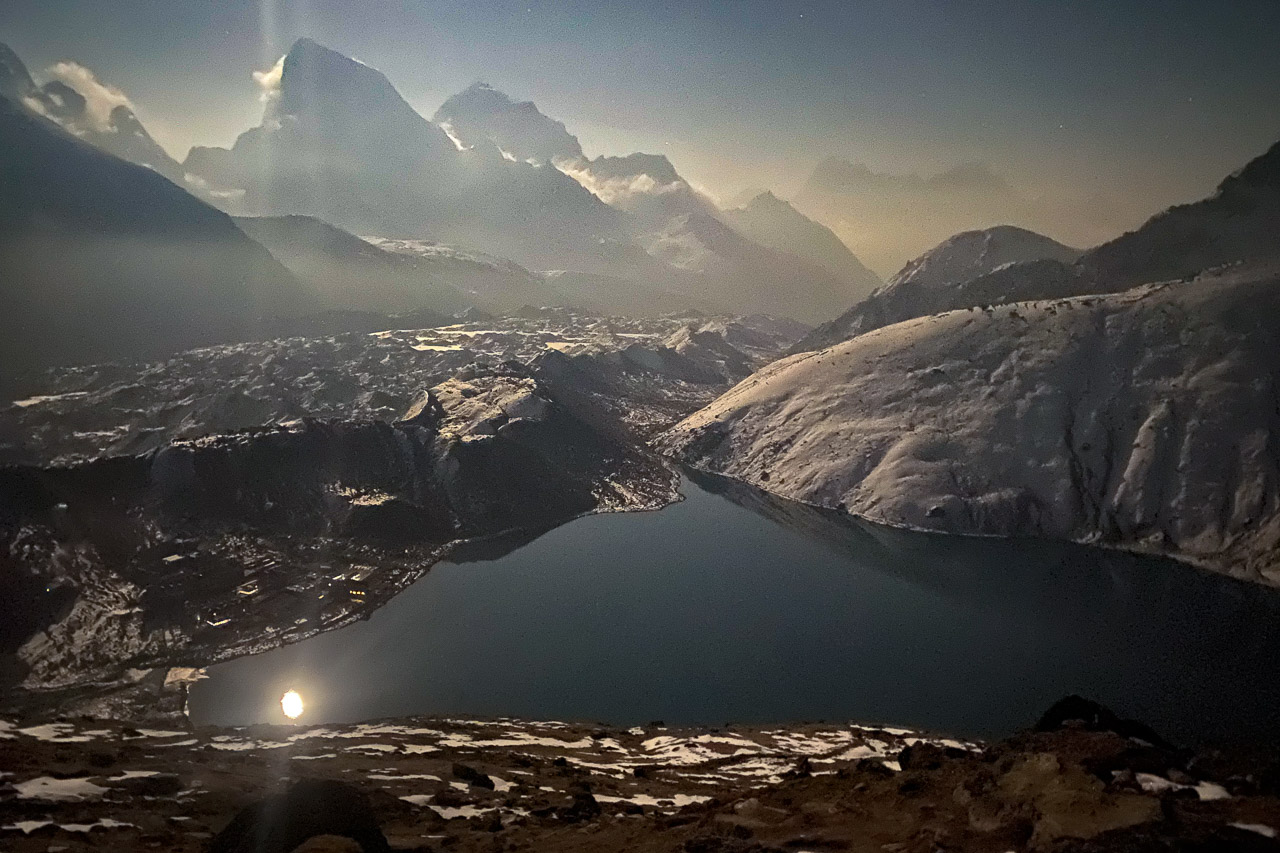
<point>1084,781</point>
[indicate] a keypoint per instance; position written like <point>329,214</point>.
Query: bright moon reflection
<point>291,704</point>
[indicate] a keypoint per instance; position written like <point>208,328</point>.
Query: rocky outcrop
<point>1145,420</point>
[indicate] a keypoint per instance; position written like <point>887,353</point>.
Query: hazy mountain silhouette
<point>1238,223</point>
<point>107,259</point>
<point>776,224</point>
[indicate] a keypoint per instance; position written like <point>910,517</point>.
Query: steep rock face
<point>15,80</point>
<point>500,454</point>
<point>119,261</point>
<point>775,224</point>
<point>930,282</point>
<point>1144,420</point>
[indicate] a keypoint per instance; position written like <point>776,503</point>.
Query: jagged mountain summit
<point>665,213</point>
<point>1143,420</point>
<point>521,132</point>
<point>775,224</point>
<point>117,261</point>
<point>339,143</point>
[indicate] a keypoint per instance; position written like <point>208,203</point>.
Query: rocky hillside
<point>219,544</point>
<point>1240,221</point>
<point>1144,420</point>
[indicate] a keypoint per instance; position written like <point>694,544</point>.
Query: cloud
<point>614,190</point>
<point>100,98</point>
<point>269,80</point>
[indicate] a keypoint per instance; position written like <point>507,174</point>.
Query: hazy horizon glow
<point>1118,109</point>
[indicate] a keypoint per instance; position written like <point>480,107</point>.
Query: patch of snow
<point>104,823</point>
<point>49,788</point>
<point>392,777</point>
<point>678,801</point>
<point>48,398</point>
<point>1259,828</point>
<point>462,811</point>
<point>159,733</point>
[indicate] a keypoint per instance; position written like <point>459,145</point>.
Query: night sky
<point>1147,103</point>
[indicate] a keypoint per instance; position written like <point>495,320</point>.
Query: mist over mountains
<point>492,204</point>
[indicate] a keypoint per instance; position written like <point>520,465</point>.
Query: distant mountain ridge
<point>341,148</point>
<point>339,143</point>
<point>121,133</point>
<point>1239,222</point>
<point>933,281</point>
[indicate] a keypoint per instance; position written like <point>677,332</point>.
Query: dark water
<point>732,606</point>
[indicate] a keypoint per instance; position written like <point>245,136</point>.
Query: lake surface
<point>735,607</point>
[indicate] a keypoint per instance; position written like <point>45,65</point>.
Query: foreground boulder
<point>309,808</point>
<point>1144,420</point>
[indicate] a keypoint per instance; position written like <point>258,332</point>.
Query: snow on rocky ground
<point>76,413</point>
<point>1146,420</point>
<point>469,785</point>
<point>439,769</point>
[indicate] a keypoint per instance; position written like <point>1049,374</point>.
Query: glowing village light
<point>291,704</point>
